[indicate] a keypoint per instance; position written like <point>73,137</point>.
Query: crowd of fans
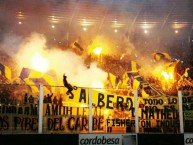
<point>152,85</point>
<point>114,64</point>
<point>49,99</point>
<point>16,94</point>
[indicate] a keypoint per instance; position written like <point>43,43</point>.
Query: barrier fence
<point>91,110</point>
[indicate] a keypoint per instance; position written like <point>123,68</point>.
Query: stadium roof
<point>66,20</point>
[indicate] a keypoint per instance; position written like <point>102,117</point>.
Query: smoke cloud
<point>60,61</point>
<point>10,44</point>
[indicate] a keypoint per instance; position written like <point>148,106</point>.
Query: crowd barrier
<point>93,116</point>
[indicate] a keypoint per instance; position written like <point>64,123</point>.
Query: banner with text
<point>188,139</point>
<point>100,139</point>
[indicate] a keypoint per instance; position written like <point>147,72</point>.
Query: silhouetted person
<point>31,99</point>
<point>49,98</point>
<point>60,101</point>
<point>55,100</point>
<point>45,99</point>
<point>68,86</point>
<point>25,98</point>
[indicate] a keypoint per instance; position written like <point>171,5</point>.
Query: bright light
<point>145,31</point>
<point>83,105</point>
<point>53,26</point>
<point>20,22</point>
<point>146,25</point>
<point>39,63</point>
<point>115,21</point>
<point>20,15</point>
<point>165,74</point>
<point>84,22</point>
<point>98,50</point>
<point>176,31</point>
<point>115,30</point>
<point>53,19</point>
<point>106,111</point>
<point>171,76</point>
<point>84,29</point>
<point>122,56</point>
<point>168,75</point>
<point>97,84</point>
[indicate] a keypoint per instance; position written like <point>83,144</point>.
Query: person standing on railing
<point>68,86</point>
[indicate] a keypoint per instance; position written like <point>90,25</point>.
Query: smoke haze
<point>60,61</point>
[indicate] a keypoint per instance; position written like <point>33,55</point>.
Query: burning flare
<point>39,63</point>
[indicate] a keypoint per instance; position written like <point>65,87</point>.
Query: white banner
<point>100,139</point>
<point>188,139</point>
